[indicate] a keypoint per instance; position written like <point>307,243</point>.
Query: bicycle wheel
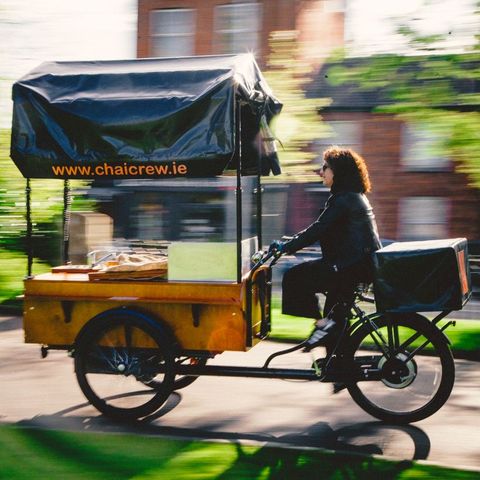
<point>114,356</point>
<point>410,385</point>
<point>181,381</point>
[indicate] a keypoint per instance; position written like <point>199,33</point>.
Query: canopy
<point>143,118</point>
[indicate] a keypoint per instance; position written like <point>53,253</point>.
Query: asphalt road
<point>38,392</point>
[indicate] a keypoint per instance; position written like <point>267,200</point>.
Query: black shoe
<point>319,335</point>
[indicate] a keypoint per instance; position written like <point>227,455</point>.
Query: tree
<point>47,208</point>
<point>428,86</point>
<point>299,123</point>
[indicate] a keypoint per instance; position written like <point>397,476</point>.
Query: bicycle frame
<point>391,346</point>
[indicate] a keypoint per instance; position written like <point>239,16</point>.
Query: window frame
<point>407,152</point>
<point>409,205</point>
<point>191,33</point>
<point>231,32</point>
<point>322,143</point>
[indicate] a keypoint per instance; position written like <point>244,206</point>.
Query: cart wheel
<point>181,381</point>
<point>413,386</point>
<point>113,357</point>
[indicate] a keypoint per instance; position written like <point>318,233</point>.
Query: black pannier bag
<point>430,275</point>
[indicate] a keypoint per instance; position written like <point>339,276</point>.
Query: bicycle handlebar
<point>265,257</point>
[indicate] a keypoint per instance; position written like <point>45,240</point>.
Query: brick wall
<point>319,31</point>
<point>381,147</point>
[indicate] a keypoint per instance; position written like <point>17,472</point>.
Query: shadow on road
<point>367,438</point>
<point>10,323</point>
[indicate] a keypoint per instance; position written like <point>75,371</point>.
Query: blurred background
<point>397,81</point>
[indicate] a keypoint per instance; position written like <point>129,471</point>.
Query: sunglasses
<point>322,168</point>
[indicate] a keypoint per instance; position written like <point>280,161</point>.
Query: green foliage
<point>13,268</point>
<point>299,123</point>
<point>46,202</point>
<point>47,208</point>
<point>34,453</point>
<point>425,90</point>
<point>464,337</point>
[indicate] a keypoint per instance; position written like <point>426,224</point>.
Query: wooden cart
<point>67,124</point>
<point>210,317</point>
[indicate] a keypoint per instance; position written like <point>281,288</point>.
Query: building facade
<point>417,194</point>
<point>213,27</point>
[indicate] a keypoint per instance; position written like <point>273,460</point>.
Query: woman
<point>348,236</point>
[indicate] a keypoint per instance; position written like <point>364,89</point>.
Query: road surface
<point>38,392</point>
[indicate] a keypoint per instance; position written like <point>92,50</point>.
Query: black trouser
<point>303,281</point>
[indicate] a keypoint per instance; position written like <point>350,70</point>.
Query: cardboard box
<point>426,276</point>
<point>88,231</point>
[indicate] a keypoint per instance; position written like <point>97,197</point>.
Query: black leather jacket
<point>346,230</point>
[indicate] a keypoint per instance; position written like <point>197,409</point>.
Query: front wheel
<point>115,355</point>
<point>411,368</point>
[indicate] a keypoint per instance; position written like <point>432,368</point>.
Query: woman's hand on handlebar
<point>274,252</point>
<point>277,246</point>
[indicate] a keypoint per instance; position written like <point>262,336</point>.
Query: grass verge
<point>12,272</point>
<point>38,454</point>
<point>464,336</point>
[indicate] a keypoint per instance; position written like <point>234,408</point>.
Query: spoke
<point>396,337</point>
<point>101,356</point>
<point>380,342</point>
<point>409,341</point>
<point>128,336</point>
<point>392,336</point>
<point>418,349</point>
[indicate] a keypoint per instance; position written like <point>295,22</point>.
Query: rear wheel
<point>113,358</point>
<point>411,384</point>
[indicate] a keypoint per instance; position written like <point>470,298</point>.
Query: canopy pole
<point>238,190</point>
<point>67,200</point>
<point>259,194</point>
<point>28,214</point>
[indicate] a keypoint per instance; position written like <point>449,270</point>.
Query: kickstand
<point>283,352</point>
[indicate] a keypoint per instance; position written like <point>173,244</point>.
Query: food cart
<point>150,119</point>
<point>139,328</point>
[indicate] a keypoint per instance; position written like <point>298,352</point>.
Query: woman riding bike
<point>348,236</point>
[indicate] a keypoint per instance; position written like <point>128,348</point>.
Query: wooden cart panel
<point>202,316</point>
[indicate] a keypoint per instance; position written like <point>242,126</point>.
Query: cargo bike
<point>137,337</point>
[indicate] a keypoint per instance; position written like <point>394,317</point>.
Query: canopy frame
<point>45,105</point>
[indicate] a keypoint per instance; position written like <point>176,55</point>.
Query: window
<point>421,149</point>
<point>342,133</point>
<point>424,218</point>
<point>334,6</point>
<point>172,32</point>
<point>237,28</point>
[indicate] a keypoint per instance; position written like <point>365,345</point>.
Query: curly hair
<point>349,170</point>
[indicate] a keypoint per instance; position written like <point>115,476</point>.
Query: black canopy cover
<point>144,118</point>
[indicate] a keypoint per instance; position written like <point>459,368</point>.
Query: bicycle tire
<point>441,364</point>
<point>104,359</point>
